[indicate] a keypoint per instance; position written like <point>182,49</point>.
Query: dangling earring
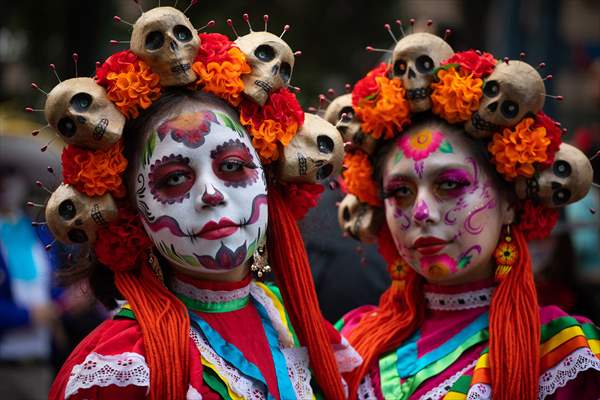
<point>153,262</point>
<point>506,255</point>
<point>260,262</point>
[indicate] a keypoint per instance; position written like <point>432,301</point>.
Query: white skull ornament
<point>315,153</point>
<point>81,112</point>
<point>566,181</point>
<point>272,62</point>
<point>414,58</point>
<point>359,220</point>
<point>349,125</point>
<point>512,91</point>
<point>74,218</point>
<point>167,41</point>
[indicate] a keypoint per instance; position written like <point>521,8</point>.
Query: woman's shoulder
<point>111,356</point>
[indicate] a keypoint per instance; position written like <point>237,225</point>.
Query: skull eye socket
<point>561,196</point>
<point>399,67</point>
<point>154,40</point>
<point>182,33</point>
<point>491,88</point>
<point>324,171</point>
<point>77,236</point>
<point>67,127</point>
<point>346,214</point>
<point>325,144</point>
<point>81,101</point>
<point>509,109</point>
<point>424,64</point>
<point>67,210</point>
<point>285,71</point>
<point>264,53</point>
<point>562,169</point>
<point>349,111</point>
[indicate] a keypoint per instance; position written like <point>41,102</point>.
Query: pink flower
<point>420,144</point>
<point>438,266</point>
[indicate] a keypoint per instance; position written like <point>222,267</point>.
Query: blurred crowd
<point>41,321</point>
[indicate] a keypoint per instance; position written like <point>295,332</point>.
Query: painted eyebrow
<point>456,172</point>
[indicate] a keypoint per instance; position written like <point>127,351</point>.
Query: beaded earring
<point>506,254</point>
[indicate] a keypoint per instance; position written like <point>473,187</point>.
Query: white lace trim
<point>480,391</point>
<point>440,391</point>
<point>193,394</point>
<point>569,367</point>
<point>459,301</point>
<point>99,370</point>
<point>296,360</point>
<point>285,337</point>
<point>366,391</point>
<point>346,357</point>
<point>206,295</point>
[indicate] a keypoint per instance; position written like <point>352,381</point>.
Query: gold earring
<point>260,262</point>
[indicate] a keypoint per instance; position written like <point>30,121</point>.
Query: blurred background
<point>41,323</point>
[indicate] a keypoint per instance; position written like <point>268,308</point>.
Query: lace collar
<point>459,297</point>
<point>211,296</point>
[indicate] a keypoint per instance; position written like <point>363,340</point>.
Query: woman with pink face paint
<point>453,195</point>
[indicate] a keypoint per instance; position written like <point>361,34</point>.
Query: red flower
<point>367,87</point>
<point>553,132</point>
<point>536,221</point>
<point>117,63</point>
<point>213,48</point>
<point>121,243</point>
<point>301,197</point>
<point>470,61</point>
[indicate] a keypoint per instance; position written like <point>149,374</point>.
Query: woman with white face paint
<point>452,199</point>
<point>180,183</point>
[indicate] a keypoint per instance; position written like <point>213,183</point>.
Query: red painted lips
<point>218,230</point>
<point>429,245</point>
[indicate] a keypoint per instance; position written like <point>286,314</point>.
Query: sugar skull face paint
<point>442,208</point>
<point>201,191</point>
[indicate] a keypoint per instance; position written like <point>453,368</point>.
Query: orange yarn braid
<point>165,326</point>
<point>515,331</point>
<point>288,258</point>
<point>400,312</point>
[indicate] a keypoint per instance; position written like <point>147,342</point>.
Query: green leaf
<point>398,157</point>
<point>446,147</point>
<point>190,260</point>
<point>464,262</point>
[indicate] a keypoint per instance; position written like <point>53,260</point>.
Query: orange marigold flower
<point>358,177</point>
<point>456,95</point>
<point>387,112</point>
<point>515,151</point>
<point>95,172</point>
<point>224,79</point>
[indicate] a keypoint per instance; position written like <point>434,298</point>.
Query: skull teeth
<point>483,125</point>
<point>180,68</point>
<point>417,94</point>
<point>264,86</point>
<point>97,215</point>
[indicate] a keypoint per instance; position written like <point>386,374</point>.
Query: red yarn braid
<point>165,326</point>
<point>288,258</point>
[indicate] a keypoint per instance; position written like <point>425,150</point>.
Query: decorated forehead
<point>497,102</point>
<point>252,74</point>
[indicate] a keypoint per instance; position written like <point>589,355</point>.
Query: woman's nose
<point>424,213</point>
<point>211,197</point>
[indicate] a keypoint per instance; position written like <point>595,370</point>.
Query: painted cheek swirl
<point>171,178</point>
<point>189,129</point>
<point>234,164</point>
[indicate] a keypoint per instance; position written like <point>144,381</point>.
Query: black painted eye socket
<point>182,33</point>
<point>349,111</point>
<point>561,196</point>
<point>424,64</point>
<point>285,71</point>
<point>66,127</point>
<point>399,67</point>
<point>325,144</point>
<point>81,101</point>
<point>154,40</point>
<point>491,88</point>
<point>509,109</point>
<point>77,236</point>
<point>562,169</point>
<point>346,214</point>
<point>67,210</point>
<point>324,171</point>
<point>265,53</point>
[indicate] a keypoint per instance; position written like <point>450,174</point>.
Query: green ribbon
<point>197,305</point>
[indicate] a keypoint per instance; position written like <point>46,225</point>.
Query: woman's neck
<point>234,275</point>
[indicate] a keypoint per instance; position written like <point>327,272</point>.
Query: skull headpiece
<point>272,63</point>
<point>166,40</point>
<point>315,153</point>
<point>349,126</point>
<point>414,58</point>
<point>81,112</point>
<point>513,90</point>
<point>75,218</point>
<point>359,220</point>
<point>568,179</point>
